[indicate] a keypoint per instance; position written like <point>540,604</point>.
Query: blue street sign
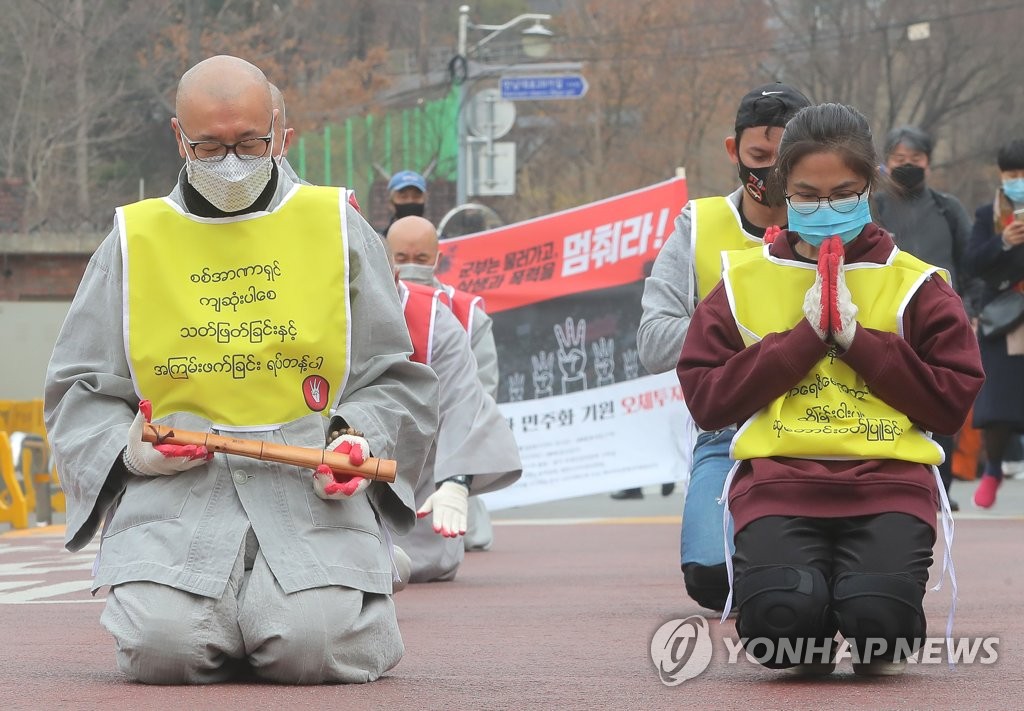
<point>535,88</point>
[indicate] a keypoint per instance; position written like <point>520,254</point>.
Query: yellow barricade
<point>22,416</point>
<point>13,506</point>
<point>27,416</point>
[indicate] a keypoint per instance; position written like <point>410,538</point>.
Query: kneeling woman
<point>837,357</point>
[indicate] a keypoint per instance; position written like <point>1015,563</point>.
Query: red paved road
<point>553,617</point>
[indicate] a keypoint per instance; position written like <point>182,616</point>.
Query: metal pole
<point>460,123</point>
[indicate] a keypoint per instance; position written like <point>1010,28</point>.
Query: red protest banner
<point>595,246</point>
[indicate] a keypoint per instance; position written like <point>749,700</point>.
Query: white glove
<point>331,486</point>
<point>145,459</point>
<point>450,504</point>
<point>813,307</point>
<point>844,331</point>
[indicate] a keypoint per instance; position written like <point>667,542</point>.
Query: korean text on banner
<point>564,292</point>
<point>595,246</point>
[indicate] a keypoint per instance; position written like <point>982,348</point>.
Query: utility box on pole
<point>491,168</point>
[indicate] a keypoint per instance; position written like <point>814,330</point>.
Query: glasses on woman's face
<point>214,151</point>
<point>842,201</point>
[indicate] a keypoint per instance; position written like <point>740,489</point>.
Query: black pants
<point>800,580</point>
<point>948,444</point>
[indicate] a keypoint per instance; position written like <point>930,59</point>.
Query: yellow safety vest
<point>715,227</point>
<point>831,413</point>
<point>241,320</point>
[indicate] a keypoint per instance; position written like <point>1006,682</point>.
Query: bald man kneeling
<point>205,311</point>
<point>413,244</point>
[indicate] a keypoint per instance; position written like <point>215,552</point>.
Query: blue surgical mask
<point>1014,189</point>
<point>827,221</point>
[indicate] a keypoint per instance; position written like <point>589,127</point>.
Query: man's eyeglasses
<point>214,151</point>
<point>843,201</point>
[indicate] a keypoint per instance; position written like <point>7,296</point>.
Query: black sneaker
<point>628,494</point>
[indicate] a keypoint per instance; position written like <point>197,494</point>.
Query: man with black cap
<point>687,268</point>
<point>407,191</point>
<point>930,225</point>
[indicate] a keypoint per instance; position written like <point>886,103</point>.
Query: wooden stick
<point>372,468</point>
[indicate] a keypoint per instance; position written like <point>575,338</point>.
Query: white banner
<point>564,291</point>
<point>632,433</point>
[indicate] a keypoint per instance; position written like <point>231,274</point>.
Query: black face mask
<point>755,183</point>
<point>907,176</point>
<point>406,209</point>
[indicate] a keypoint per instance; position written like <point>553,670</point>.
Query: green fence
<point>345,154</point>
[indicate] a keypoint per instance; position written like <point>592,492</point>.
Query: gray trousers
<point>479,532</point>
<point>327,634</point>
<point>432,557</point>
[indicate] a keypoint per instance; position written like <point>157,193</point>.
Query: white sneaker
<point>404,565</point>
<point>880,668</point>
<point>1013,469</point>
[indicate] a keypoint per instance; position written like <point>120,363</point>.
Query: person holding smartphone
<point>995,254</point>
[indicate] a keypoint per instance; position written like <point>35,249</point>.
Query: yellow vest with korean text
<point>241,320</point>
<point>831,413</point>
<point>715,227</point>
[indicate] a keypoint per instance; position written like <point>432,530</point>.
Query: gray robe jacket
<point>185,530</point>
<point>668,301</point>
<point>473,439</point>
<point>485,352</point>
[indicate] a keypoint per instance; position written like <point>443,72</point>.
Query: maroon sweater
<point>932,376</point>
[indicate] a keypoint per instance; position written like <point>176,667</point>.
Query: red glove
<point>146,459</point>
<point>329,485</point>
<point>830,264</point>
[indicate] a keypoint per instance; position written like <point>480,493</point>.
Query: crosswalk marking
<point>33,594</point>
<point>9,584</point>
<point>31,582</point>
<point>35,568</point>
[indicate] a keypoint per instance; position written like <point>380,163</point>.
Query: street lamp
<point>537,41</point>
<point>536,45</point>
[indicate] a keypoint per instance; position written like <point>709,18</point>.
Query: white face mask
<point>279,158</point>
<point>231,184</point>
<point>417,273</point>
